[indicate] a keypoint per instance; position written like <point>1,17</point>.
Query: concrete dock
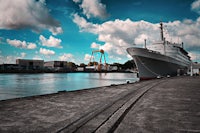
<point>161,105</point>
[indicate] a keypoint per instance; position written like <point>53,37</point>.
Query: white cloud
<point>66,57</point>
<point>10,59</point>
<point>115,58</point>
<point>21,44</point>
<point>140,39</point>
<point>107,47</point>
<point>20,14</point>
<point>118,35</point>
<point>93,8</point>
<point>194,56</point>
<point>56,30</point>
<point>186,31</point>
<point>17,43</point>
<point>23,55</point>
<point>83,24</point>
<point>46,51</point>
<point>7,59</point>
<point>129,56</point>
<point>51,42</point>
<point>195,6</point>
<point>95,45</point>
<point>77,1</point>
<point>87,57</point>
<point>37,58</point>
<point>31,46</point>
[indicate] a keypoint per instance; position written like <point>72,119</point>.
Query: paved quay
<point>163,105</point>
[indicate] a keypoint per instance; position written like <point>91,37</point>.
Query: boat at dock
<point>161,59</point>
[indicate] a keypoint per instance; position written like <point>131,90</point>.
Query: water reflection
<point>21,85</point>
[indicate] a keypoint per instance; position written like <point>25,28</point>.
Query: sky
<point>69,30</point>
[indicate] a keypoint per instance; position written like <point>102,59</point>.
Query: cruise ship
<point>160,59</point>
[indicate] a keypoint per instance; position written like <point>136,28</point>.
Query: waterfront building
<point>80,69</point>
<point>195,69</point>
<point>91,68</point>
<point>26,64</point>
<point>60,66</point>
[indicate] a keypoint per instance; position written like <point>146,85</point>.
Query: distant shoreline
<point>40,71</point>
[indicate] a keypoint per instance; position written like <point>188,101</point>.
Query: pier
<point>160,105</point>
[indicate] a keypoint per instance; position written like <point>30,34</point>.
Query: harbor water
<point>23,85</point>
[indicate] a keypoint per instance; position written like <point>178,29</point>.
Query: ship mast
<point>161,31</point>
<point>162,37</point>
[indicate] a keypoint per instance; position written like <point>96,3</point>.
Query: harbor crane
<point>102,55</point>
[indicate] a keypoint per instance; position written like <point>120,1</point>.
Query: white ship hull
<point>152,64</point>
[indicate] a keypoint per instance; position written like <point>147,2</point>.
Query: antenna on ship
<point>161,31</point>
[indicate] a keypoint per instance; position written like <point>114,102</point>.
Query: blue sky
<point>70,29</point>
